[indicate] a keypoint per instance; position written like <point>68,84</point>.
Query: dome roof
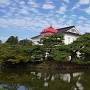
<point>50,29</point>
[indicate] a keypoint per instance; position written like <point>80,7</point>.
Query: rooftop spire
<point>51,24</point>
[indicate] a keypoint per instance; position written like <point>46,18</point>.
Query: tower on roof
<point>51,24</point>
<point>48,31</point>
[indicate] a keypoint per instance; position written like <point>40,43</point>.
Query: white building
<point>70,34</point>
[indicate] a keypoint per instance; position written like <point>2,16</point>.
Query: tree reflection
<point>11,87</point>
<point>19,79</point>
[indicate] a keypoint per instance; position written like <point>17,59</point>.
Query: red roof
<point>50,29</point>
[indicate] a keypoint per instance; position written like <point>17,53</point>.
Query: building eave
<point>35,36</point>
<point>66,29</point>
<point>72,33</point>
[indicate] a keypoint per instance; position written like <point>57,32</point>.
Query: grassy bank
<point>47,65</point>
<point>59,65</point>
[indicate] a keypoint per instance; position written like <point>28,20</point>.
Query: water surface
<point>29,79</point>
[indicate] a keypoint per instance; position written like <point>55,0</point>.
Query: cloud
<point>87,10</point>
<point>48,6</point>
<point>80,22</point>
<point>82,18</point>
<point>49,1</point>
<point>62,10</point>
<point>34,10</point>
<point>69,23</point>
<point>83,28</point>
<point>4,1</point>
<point>12,22</point>
<point>81,2</point>
<point>73,16</point>
<point>32,6</point>
<point>33,3</point>
<point>26,23</point>
<point>30,16</point>
<point>61,20</point>
<point>24,11</point>
<point>67,1</point>
<point>21,2</point>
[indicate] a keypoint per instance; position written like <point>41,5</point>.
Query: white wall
<point>35,40</point>
<point>69,38</point>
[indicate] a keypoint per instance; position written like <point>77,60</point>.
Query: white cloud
<point>26,23</point>
<point>12,22</point>
<point>49,1</point>
<point>80,22</point>
<point>76,6</point>
<point>62,19</point>
<point>48,6</point>
<point>87,10</point>
<point>33,3</point>
<point>2,11</point>
<point>24,16</point>
<point>69,23</point>
<point>13,9</point>
<point>67,1</point>
<point>21,2</point>
<point>62,10</point>
<point>82,18</point>
<point>88,21</point>
<point>34,10</point>
<point>24,11</point>
<point>9,14</point>
<point>17,1</point>
<point>81,2</point>
<point>73,16</point>
<point>4,1</point>
<point>65,16</point>
<point>83,28</point>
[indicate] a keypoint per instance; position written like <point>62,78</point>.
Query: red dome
<point>49,30</point>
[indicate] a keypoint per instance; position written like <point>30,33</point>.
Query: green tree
<point>15,53</point>
<point>53,40</point>
<point>0,41</point>
<point>38,53</point>
<point>12,40</point>
<point>25,42</point>
<point>50,43</point>
<point>82,45</point>
<point>60,53</point>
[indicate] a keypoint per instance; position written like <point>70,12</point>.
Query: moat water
<point>34,79</point>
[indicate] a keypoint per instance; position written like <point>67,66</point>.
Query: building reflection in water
<point>36,79</point>
<point>65,77</point>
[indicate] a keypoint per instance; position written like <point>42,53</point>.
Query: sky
<point>27,18</point>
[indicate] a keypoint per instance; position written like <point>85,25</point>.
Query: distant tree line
<point>51,48</point>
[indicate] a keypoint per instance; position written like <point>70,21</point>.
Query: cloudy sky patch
<point>27,18</point>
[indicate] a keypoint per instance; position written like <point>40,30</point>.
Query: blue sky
<point>27,18</point>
